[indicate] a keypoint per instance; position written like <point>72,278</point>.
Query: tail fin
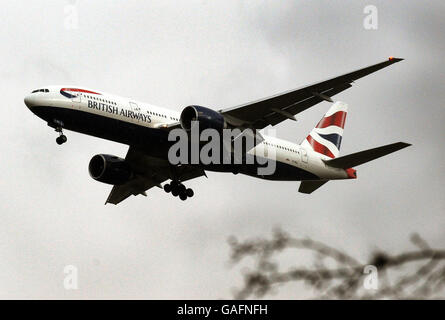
<point>326,137</point>
<point>361,157</point>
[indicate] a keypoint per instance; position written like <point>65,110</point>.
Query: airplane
<point>145,129</point>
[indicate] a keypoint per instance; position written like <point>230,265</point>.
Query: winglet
<point>395,59</point>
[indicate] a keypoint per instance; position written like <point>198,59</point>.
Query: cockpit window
<point>40,90</point>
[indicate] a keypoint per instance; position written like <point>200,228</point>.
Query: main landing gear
<point>178,189</point>
<point>61,139</point>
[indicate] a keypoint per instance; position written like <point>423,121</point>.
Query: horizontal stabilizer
<point>310,186</point>
<point>355,159</point>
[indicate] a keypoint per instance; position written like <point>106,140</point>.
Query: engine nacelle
<point>207,118</point>
<point>109,169</point>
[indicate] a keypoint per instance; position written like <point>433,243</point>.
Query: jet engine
<point>109,169</point>
<point>205,117</point>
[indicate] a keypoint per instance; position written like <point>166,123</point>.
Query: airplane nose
<point>30,101</point>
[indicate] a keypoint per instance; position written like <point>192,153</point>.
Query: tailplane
<point>351,160</point>
<point>326,137</point>
<point>310,186</point>
<point>361,157</point>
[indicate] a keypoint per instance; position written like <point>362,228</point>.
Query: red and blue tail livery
<point>326,137</point>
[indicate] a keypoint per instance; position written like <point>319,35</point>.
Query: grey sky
<point>217,54</point>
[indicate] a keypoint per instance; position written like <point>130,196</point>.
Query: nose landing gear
<point>178,189</point>
<point>61,139</point>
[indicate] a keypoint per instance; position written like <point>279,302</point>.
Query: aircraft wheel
<point>175,191</point>
<point>174,183</point>
<point>189,192</point>
<point>167,188</point>
<point>61,139</point>
<point>183,196</point>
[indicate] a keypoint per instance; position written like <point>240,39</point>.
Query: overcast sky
<point>217,54</point>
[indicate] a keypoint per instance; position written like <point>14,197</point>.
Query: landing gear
<point>178,189</point>
<point>167,187</point>
<point>189,192</point>
<point>61,139</point>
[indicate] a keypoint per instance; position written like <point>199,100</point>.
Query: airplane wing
<point>275,109</point>
<point>134,187</point>
<point>148,173</point>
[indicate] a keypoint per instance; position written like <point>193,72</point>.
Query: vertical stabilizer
<point>326,137</point>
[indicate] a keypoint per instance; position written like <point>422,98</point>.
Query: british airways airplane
<point>145,129</point>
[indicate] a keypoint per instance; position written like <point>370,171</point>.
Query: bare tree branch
<point>344,281</point>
